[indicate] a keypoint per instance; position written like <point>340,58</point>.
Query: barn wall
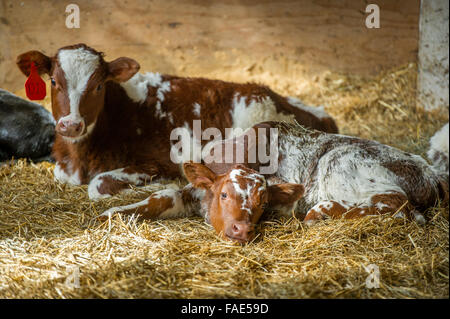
<point>211,38</point>
<point>433,81</point>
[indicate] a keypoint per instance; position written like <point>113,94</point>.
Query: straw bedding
<point>47,232</point>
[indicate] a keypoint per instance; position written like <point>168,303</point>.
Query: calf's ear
<point>199,175</point>
<point>122,69</point>
<point>42,62</point>
<point>285,194</point>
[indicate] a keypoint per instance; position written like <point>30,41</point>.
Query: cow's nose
<point>70,128</point>
<point>241,231</point>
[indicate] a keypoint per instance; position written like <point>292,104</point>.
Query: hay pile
<point>47,233</point>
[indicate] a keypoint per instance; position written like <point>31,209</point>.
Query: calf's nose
<point>70,128</point>
<point>241,231</point>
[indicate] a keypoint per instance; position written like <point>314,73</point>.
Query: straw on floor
<point>50,247</point>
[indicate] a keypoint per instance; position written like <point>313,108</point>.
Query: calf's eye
<point>52,80</point>
<point>223,195</point>
<point>99,87</point>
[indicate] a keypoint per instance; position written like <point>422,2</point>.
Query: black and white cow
<point>27,130</point>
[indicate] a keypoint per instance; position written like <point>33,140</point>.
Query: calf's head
<point>236,200</point>
<point>78,76</point>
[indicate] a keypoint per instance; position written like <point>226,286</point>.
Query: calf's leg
<point>379,204</point>
<point>112,182</point>
<point>167,203</point>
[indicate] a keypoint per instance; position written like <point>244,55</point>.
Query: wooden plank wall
<point>199,37</point>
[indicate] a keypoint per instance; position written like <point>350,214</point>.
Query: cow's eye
<point>223,195</point>
<point>99,87</point>
<point>53,81</point>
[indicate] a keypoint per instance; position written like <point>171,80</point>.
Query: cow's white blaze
<point>78,66</point>
<point>251,181</point>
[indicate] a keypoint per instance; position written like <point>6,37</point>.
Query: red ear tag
<point>35,86</point>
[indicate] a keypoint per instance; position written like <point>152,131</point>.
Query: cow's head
<point>78,75</point>
<point>237,199</point>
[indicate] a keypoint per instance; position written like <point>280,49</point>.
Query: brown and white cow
<point>231,202</point>
<point>342,177</point>
<point>114,123</point>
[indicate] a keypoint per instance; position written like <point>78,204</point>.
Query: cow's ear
<point>199,175</point>
<point>284,194</point>
<point>122,69</point>
<point>42,62</point>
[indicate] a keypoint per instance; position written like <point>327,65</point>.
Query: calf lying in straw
<point>340,176</point>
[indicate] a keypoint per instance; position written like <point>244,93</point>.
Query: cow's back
<point>26,128</point>
<point>386,169</point>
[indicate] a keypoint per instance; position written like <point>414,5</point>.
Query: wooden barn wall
<point>195,37</point>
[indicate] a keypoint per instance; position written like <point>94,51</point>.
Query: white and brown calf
<point>114,124</point>
<point>340,177</point>
<point>351,177</point>
<point>231,202</point>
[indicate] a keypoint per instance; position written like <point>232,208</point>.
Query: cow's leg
<point>63,174</point>
<point>167,203</point>
<point>110,183</point>
<point>388,203</point>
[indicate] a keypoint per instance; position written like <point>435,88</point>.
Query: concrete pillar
<point>432,79</point>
